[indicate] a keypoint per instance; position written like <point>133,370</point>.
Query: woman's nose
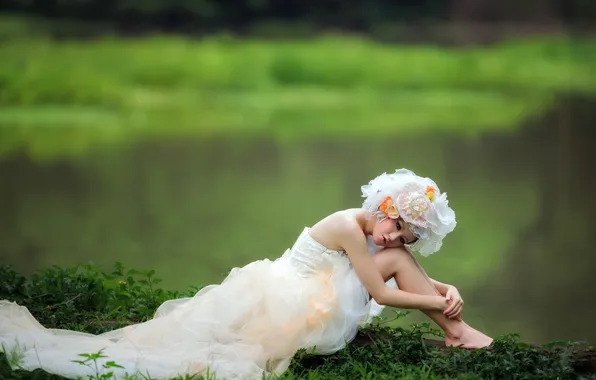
<point>395,235</point>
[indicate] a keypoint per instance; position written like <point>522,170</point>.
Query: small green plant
<point>90,360</point>
<point>14,357</point>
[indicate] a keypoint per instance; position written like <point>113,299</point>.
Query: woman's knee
<point>397,254</point>
<point>390,260</point>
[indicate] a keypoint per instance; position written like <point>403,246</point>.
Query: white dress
<point>249,325</point>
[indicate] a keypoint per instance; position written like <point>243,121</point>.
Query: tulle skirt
<point>249,325</point>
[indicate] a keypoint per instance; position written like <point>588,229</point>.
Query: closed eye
<point>399,228</point>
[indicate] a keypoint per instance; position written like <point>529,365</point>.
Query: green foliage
<point>85,298</point>
<point>114,89</point>
<point>403,353</point>
<point>111,71</point>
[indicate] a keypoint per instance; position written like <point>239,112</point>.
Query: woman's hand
<point>439,303</point>
<point>456,303</point>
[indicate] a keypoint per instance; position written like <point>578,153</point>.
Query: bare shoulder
<point>338,230</point>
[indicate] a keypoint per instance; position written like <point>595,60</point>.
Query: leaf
<point>112,364</point>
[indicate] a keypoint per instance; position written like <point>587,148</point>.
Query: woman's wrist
<point>439,303</point>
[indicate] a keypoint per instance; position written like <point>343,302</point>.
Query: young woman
<point>339,272</point>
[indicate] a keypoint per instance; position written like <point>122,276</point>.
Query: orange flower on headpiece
<point>388,208</point>
<point>430,192</point>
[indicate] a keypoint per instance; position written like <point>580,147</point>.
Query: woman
<point>316,295</point>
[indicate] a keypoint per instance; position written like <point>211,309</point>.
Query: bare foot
<point>469,338</point>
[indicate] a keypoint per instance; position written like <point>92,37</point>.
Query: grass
<point>87,299</point>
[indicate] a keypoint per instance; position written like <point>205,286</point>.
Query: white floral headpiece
<point>419,203</point>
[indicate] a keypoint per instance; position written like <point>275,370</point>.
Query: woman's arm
<point>354,243</point>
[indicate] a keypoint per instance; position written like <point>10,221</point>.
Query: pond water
<point>192,208</point>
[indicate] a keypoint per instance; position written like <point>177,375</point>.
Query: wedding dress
<point>249,325</point>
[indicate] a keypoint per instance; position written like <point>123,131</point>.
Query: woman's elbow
<point>382,297</point>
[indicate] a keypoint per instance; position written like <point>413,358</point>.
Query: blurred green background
<point>194,136</point>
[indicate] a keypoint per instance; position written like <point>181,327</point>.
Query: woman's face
<point>392,233</point>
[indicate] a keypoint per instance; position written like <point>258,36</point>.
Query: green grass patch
<point>91,300</point>
<point>97,71</point>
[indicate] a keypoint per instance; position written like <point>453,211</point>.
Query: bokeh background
<point>192,136</point>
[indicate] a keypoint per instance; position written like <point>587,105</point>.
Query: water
<point>193,208</point>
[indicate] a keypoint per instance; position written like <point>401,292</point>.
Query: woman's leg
<point>410,277</point>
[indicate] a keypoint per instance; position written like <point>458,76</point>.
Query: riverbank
<point>94,300</point>
<point>114,90</point>
<point>225,84</point>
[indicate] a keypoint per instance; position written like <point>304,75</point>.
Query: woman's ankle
<point>454,329</point>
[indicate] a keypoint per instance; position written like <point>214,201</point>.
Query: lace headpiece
<point>417,201</point>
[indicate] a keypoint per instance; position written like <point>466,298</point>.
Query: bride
<point>339,273</point>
